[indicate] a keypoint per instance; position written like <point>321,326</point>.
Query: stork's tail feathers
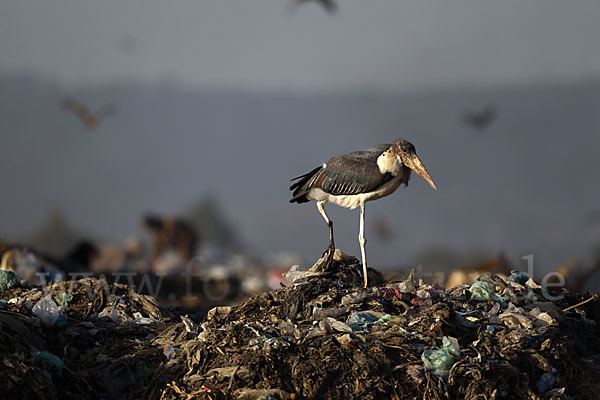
<point>302,187</point>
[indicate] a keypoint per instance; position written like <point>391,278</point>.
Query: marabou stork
<point>350,180</point>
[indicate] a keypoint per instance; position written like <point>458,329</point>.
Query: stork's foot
<point>328,254</point>
<point>325,262</point>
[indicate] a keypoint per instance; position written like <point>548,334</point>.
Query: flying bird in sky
<point>328,5</point>
<point>350,180</point>
<point>88,118</point>
<point>480,119</point>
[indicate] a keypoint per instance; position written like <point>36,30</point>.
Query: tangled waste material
<point>322,337</point>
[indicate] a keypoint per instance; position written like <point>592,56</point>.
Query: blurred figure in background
<point>80,257</point>
<point>173,242</point>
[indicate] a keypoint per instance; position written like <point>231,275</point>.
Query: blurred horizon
<point>497,187</point>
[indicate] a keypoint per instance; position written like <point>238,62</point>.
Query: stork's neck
<point>388,163</point>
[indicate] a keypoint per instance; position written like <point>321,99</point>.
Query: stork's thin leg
<point>329,222</point>
<point>328,253</point>
<point>363,241</point>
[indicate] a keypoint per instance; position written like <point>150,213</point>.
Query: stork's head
<point>407,155</point>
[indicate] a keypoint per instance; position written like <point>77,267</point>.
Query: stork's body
<point>353,179</point>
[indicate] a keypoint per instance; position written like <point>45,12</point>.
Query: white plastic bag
<point>46,310</point>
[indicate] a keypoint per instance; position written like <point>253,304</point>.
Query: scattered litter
<point>518,277</point>
<point>516,318</point>
<point>295,274</point>
<point>481,290</point>
<point>359,321</point>
<point>169,351</point>
<point>338,325</point>
<point>46,310</point>
<point>439,361</point>
<point>323,337</point>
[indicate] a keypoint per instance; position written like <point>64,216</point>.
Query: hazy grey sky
<point>260,44</point>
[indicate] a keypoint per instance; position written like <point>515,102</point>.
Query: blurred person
<point>121,257</point>
<point>173,240</point>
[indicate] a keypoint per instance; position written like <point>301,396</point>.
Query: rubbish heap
<point>322,337</point>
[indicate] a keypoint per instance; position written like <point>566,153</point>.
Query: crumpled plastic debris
<point>541,318</point>
<point>481,290</point>
<point>169,352</point>
<point>518,277</point>
<point>428,291</point>
<point>138,318</point>
<point>354,298</point>
<point>384,318</point>
<point>296,274</point>
<point>407,286</point>
<point>333,324</point>
<point>46,310</point>
<point>442,359</point>
<point>361,320</point>
<point>516,318</point>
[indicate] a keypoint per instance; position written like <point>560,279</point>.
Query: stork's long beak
<point>412,161</point>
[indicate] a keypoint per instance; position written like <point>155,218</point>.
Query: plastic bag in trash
<point>481,290</point>
<point>46,310</point>
<point>441,359</point>
<point>359,320</point>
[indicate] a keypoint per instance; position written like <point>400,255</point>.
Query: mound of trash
<point>322,337</point>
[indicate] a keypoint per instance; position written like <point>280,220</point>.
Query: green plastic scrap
<point>441,359</point>
<point>481,290</point>
<point>7,280</point>
<point>385,318</point>
<point>47,360</point>
<point>63,298</point>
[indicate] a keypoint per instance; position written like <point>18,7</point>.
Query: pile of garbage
<point>322,337</point>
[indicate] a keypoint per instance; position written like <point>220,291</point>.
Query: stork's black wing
<point>349,174</point>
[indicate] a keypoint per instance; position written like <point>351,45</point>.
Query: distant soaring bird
<point>328,5</point>
<point>480,119</point>
<point>88,118</point>
<point>353,179</point>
